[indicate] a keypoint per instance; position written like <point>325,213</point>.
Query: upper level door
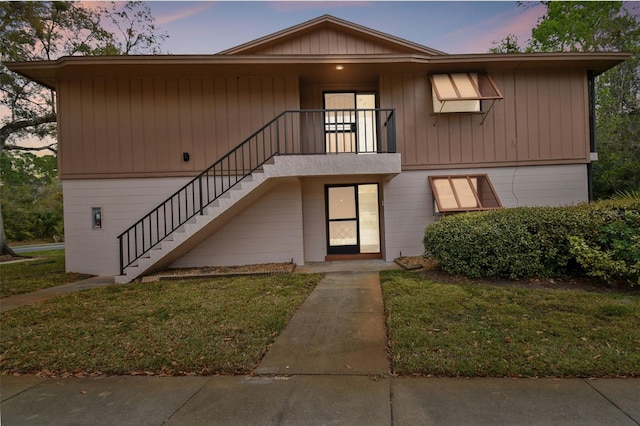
<point>350,122</point>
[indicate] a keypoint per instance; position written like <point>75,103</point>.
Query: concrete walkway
<point>339,329</point>
<point>329,366</point>
<point>9,303</point>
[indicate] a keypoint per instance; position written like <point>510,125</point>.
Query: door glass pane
<point>339,101</point>
<point>340,125</point>
<point>343,233</point>
<point>340,142</point>
<point>367,138</point>
<point>368,215</point>
<point>342,203</point>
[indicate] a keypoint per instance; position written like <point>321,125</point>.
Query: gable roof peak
<point>325,21</point>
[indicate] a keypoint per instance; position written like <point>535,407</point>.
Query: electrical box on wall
<point>96,217</point>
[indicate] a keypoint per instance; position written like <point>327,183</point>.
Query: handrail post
<point>278,136</point>
<point>121,256</point>
<point>200,188</point>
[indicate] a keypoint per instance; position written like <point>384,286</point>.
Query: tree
<point>31,191</point>
<point>31,31</point>
<point>509,44</point>
<point>592,27</point>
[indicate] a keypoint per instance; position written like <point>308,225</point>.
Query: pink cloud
<point>183,13</point>
<point>480,37</point>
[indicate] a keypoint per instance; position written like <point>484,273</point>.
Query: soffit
<point>308,67</point>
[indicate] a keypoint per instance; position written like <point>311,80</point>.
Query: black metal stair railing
<point>301,132</point>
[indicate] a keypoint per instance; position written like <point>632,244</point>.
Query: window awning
<point>460,193</point>
<point>463,92</point>
<point>464,87</point>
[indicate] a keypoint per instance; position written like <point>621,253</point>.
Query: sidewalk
<point>329,366</point>
<point>317,400</point>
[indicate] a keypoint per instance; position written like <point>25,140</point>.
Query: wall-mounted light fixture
<point>339,67</point>
<point>185,156</point>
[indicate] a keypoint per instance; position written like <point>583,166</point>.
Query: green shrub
<point>539,241</point>
<point>613,252</point>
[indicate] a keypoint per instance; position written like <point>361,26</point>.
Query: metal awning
<point>461,193</point>
<point>462,92</point>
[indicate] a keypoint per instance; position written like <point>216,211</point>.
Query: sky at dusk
<point>204,27</point>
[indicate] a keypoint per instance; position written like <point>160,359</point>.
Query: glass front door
<point>350,122</point>
<point>353,220</point>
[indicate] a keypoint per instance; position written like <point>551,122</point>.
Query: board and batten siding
<point>130,126</point>
<point>125,127</point>
<point>543,119</point>
<point>327,41</point>
<point>409,204</point>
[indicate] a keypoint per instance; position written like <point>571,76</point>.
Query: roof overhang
<point>321,67</point>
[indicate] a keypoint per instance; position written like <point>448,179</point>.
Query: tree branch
<point>15,126</point>
<point>51,147</point>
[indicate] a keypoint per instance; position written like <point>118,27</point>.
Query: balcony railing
<point>302,132</point>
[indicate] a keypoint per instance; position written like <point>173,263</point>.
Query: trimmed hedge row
<point>600,239</point>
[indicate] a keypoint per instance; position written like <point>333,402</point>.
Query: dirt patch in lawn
<point>428,267</point>
<point>221,271</point>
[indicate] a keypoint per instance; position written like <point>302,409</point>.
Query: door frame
<point>351,251</point>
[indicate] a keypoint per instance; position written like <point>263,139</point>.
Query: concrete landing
<point>339,329</point>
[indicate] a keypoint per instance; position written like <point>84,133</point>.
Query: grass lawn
<point>46,271</point>
<point>225,325</point>
<point>484,330</point>
<point>201,326</point>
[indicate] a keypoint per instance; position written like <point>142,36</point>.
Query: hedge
<point>600,239</point>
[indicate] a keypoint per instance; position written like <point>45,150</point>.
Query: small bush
<point>601,239</point>
<point>614,251</point>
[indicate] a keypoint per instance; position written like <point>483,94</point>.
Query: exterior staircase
<point>248,172</point>
<point>200,226</point>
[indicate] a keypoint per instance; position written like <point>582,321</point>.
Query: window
<point>462,92</point>
<point>463,193</point>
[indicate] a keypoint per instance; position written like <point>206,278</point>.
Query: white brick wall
<point>270,230</point>
<point>408,203</point>
<point>289,221</point>
<point>123,201</point>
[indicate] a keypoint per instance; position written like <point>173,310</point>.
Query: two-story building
<point>327,140</point>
